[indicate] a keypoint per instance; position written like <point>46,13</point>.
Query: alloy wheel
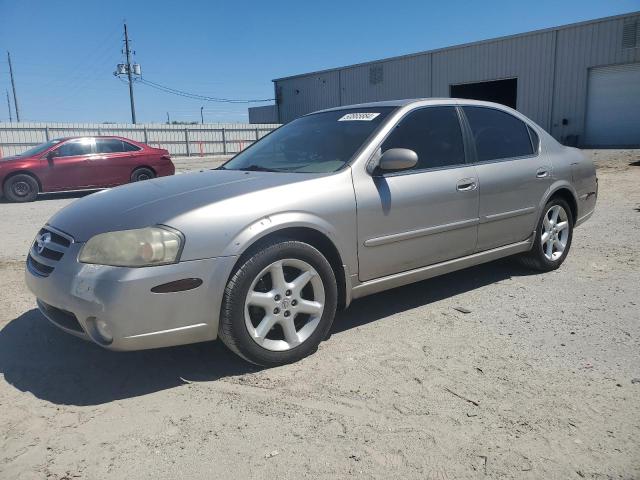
<point>555,232</point>
<point>284,304</point>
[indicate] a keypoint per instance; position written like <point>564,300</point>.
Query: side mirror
<point>51,155</point>
<point>398,159</point>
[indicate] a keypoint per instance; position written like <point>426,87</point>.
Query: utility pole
<point>129,75</point>
<point>9,106</point>
<point>13,86</point>
<point>130,70</point>
<point>201,116</point>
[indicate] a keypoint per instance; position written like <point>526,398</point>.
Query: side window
<point>109,145</point>
<point>433,133</point>
<point>73,148</point>
<point>497,134</point>
<point>128,147</point>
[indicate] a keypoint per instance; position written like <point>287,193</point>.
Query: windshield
<point>40,148</point>
<point>317,143</point>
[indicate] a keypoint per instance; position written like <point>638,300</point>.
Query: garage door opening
<point>498,91</point>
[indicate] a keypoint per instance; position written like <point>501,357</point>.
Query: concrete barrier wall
<point>180,140</point>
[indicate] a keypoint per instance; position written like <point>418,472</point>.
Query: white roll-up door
<point>613,106</point>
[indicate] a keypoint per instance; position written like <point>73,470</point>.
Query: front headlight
<point>142,247</point>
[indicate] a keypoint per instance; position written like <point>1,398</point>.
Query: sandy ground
<point>536,382</point>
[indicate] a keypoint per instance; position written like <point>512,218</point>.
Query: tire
<point>307,282</point>
<point>21,188</point>
<point>142,173</point>
<point>549,254</point>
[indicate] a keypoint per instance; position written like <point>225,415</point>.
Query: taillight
<point>165,157</point>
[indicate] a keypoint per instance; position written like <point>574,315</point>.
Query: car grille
<point>46,251</point>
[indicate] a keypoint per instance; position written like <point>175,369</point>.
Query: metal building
<point>581,82</point>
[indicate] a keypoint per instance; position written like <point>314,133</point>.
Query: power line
<point>83,75</point>
<point>195,96</point>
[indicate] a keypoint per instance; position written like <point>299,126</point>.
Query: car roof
<point>420,101</point>
<point>95,136</point>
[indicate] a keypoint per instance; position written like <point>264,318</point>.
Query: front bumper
<point>121,297</point>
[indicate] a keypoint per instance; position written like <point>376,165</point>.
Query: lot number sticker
<point>361,116</point>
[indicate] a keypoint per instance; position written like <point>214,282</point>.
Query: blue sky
<point>64,52</point>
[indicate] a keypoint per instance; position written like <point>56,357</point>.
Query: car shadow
<point>38,358</point>
<point>390,302</point>
<point>58,195</point>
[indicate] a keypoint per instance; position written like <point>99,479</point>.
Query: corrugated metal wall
<point>306,94</point>
<point>580,48</point>
<point>207,139</point>
<point>529,59</point>
<point>398,78</point>
<point>264,114</point>
<point>551,67</point>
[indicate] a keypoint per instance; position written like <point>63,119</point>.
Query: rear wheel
<point>279,304</point>
<point>143,173</point>
<point>21,188</point>
<point>553,237</point>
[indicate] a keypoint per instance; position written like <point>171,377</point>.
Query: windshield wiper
<point>258,168</point>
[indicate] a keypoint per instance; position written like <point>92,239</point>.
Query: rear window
<point>535,139</point>
<point>109,145</point>
<point>114,145</point>
<point>128,147</point>
<point>498,134</point>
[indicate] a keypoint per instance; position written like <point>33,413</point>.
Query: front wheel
<point>21,188</point>
<point>279,304</point>
<point>553,237</point>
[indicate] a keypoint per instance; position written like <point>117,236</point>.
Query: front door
<point>418,217</point>
<point>67,166</point>
<point>513,176</point>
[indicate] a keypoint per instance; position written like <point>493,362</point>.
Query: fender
<point>279,221</point>
<point>264,226</point>
<point>555,186</point>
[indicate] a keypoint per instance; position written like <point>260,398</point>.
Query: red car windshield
<point>40,148</point>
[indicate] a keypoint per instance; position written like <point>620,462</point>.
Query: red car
<point>80,163</point>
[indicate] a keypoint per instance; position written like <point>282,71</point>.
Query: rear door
<point>429,214</point>
<point>67,167</point>
<point>513,175</point>
<point>115,158</point>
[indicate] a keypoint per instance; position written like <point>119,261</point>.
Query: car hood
<point>158,201</point>
<point>8,159</point>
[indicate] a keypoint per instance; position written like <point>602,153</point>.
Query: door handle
<point>543,172</point>
<point>466,184</point>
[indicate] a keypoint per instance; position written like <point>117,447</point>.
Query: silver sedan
<point>333,206</point>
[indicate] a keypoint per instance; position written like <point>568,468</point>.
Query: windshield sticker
<point>361,116</point>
